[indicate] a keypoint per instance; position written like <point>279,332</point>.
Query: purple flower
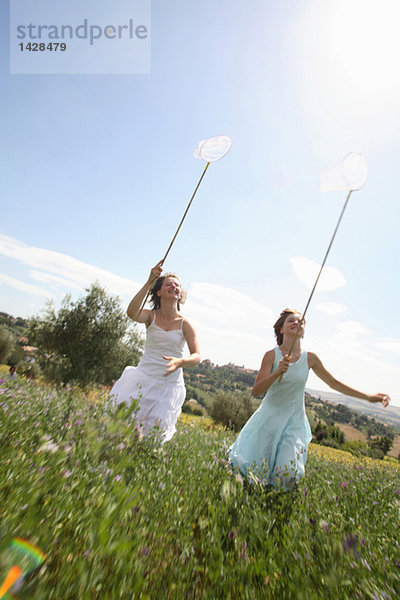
<point>324,526</point>
<point>344,485</point>
<point>350,545</point>
<point>398,564</point>
<point>243,552</point>
<point>117,478</point>
<point>145,551</point>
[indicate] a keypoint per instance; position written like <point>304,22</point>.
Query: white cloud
<point>388,345</point>
<point>227,304</point>
<point>47,278</point>
<point>355,357</point>
<point>331,308</point>
<point>350,329</point>
<point>23,287</point>
<point>65,267</point>
<point>306,271</point>
<point>232,327</point>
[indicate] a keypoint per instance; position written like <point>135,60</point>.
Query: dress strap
<point>180,328</point>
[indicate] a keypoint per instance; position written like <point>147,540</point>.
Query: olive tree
<point>87,341</point>
<point>7,343</point>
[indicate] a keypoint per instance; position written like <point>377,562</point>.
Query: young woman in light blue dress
<point>157,382</point>
<point>273,443</point>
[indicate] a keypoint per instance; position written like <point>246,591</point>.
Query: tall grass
<point>121,517</point>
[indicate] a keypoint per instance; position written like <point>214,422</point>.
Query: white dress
<point>160,398</point>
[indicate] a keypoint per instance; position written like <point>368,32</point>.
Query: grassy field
<point>120,517</point>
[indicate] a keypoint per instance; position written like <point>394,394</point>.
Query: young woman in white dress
<point>157,382</point>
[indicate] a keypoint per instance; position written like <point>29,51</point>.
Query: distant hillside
<point>206,379</point>
<point>389,416</point>
<point>16,324</point>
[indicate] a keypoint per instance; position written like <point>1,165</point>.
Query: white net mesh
<point>349,174</point>
<point>214,148</point>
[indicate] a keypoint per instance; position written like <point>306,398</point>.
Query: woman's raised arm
<point>137,301</point>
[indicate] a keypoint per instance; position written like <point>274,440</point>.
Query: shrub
<point>87,341</point>
<point>232,409</point>
<point>7,342</point>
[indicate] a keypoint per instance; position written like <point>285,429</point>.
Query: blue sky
<point>97,170</point>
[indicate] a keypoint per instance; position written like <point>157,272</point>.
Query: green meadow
<point>120,517</point>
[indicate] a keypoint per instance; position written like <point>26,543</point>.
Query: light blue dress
<point>273,443</point>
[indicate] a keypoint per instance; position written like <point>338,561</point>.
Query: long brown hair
<point>282,318</point>
<point>155,300</point>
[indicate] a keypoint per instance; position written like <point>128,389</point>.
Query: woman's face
<point>170,288</point>
<point>292,323</point>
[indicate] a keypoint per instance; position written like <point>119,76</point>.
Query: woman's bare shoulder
<point>268,357</point>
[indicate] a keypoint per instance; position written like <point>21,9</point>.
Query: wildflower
<point>117,478</point>
<point>67,473</point>
<point>350,545</point>
<point>324,526</point>
<point>49,446</point>
<point>243,553</point>
<point>86,553</point>
<point>239,478</point>
<point>138,432</point>
<point>398,564</point>
<point>145,551</point>
<point>344,485</point>
<point>121,446</point>
<point>365,563</point>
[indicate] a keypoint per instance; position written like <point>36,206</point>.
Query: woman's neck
<point>285,346</point>
<point>168,311</point>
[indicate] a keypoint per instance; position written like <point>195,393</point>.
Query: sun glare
<point>349,52</point>
<point>366,43</point>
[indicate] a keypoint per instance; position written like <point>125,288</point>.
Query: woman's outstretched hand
<point>173,364</point>
<point>384,398</point>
